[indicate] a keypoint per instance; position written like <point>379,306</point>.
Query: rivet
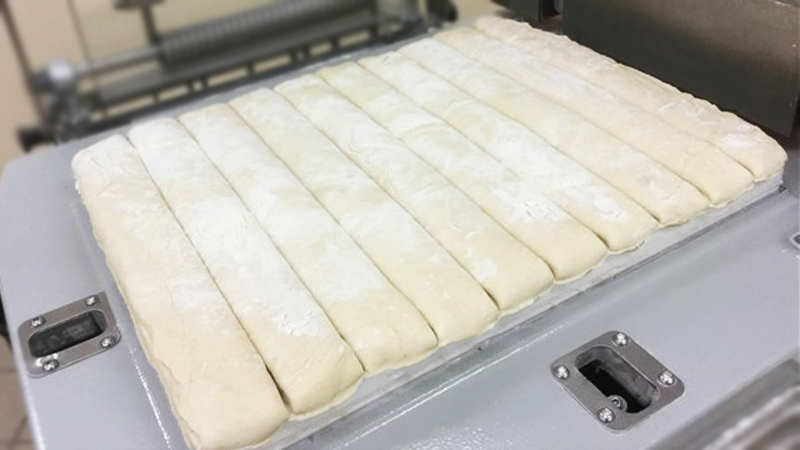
<point>561,372</point>
<point>107,342</point>
<point>666,378</point>
<point>620,340</point>
<point>50,365</point>
<point>91,301</point>
<point>619,402</point>
<point>37,322</point>
<point>606,415</point>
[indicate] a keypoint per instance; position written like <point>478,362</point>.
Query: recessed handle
<point>616,380</point>
<point>67,335</point>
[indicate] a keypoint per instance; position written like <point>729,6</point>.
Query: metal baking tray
<point>70,255</point>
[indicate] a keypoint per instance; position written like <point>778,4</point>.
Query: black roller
<point>272,20</point>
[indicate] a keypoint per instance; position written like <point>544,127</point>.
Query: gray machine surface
<point>719,310</point>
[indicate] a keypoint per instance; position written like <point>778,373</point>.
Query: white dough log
<point>665,195</point>
<point>305,354</point>
<point>744,142</point>
<point>569,248</point>
<point>506,269</point>
<point>616,219</point>
<point>380,324</point>
<point>450,299</point>
<point>216,383</point>
<point>716,175</point>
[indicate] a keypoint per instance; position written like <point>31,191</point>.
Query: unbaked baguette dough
<point>506,269</point>
<point>740,140</point>
<point>450,299</point>
<point>715,174</point>
<point>305,354</point>
<point>380,324</point>
<point>615,218</point>
<point>666,196</point>
<point>216,383</point>
<point>568,247</point>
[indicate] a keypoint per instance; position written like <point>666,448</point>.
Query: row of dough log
<point>310,363</point>
<point>719,177</point>
<point>669,198</point>
<point>302,350</point>
<point>569,248</point>
<point>303,255</point>
<point>620,222</point>
<point>746,143</point>
<point>505,268</point>
<point>300,347</point>
<point>222,395</point>
<point>382,326</point>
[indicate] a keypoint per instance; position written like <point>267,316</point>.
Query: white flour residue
<point>378,99</point>
<point>555,174</point>
<point>527,207</point>
<point>385,220</point>
<point>296,222</point>
<point>659,183</point>
<point>449,151</point>
<point>363,209</point>
<point>484,271</point>
<point>248,268</point>
<point>694,116</point>
<point>353,280</point>
<point>391,163</point>
<point>739,142</point>
<point>519,149</point>
<point>454,66</point>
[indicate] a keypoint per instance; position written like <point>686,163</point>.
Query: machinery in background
<point>73,100</point>
<point>742,381</point>
<point>533,11</point>
<point>741,55</point>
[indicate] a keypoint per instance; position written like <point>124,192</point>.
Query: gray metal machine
<point>75,100</point>
<point>689,342</point>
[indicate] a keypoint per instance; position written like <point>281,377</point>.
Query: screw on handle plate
<point>67,335</point>
<point>640,384</point>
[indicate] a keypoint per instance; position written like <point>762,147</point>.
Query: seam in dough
<point>569,248</point>
<point>380,324</point>
<point>665,195</point>
<point>616,219</point>
<point>716,175</point>
<point>303,351</point>
<point>204,359</point>
<point>454,304</point>
<point>506,269</point>
<point>744,142</point>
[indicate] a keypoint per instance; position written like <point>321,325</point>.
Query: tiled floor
<point>14,433</point>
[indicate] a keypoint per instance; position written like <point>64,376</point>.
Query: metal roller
<point>197,42</point>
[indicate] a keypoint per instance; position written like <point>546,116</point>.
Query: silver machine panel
<point>706,309</point>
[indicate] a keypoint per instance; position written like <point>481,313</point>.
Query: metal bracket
<point>617,380</point>
<point>67,335</point>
